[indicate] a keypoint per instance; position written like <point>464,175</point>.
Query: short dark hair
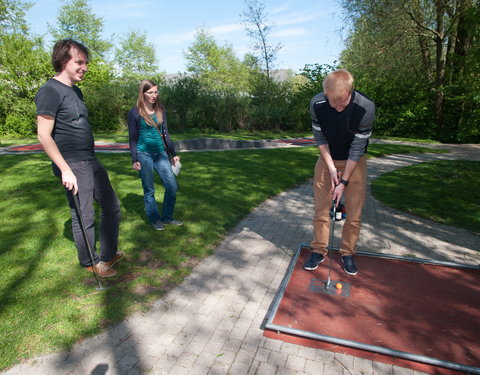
<point>61,52</point>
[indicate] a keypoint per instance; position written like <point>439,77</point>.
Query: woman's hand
<point>175,159</point>
<point>136,166</point>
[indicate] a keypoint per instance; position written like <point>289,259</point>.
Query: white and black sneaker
<point>314,261</point>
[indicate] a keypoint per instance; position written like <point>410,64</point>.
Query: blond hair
<point>337,84</point>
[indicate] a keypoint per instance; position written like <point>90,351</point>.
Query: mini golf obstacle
<point>416,313</point>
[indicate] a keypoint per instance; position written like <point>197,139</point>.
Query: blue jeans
<point>161,164</point>
<point>94,185</point>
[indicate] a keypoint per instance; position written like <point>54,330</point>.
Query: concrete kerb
<point>191,145</point>
<point>211,323</point>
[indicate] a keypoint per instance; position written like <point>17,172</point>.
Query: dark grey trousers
<point>94,185</point>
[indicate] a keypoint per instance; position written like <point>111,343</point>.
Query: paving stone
<point>380,368</point>
<point>362,366</point>
<point>296,363</point>
<point>313,367</point>
<point>206,359</point>
<point>307,353</point>
<point>179,370</point>
<point>277,358</point>
<point>199,370</point>
<point>290,348</point>
<point>262,354</point>
<point>239,368</point>
<point>266,369</point>
<point>403,371</point>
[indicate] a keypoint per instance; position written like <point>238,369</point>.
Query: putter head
<point>101,287</point>
<point>329,287</point>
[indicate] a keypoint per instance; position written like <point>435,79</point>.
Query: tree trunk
<point>439,88</point>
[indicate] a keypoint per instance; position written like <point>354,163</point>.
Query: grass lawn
<point>47,302</point>
<point>444,191</point>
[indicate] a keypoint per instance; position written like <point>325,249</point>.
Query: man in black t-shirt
<point>66,136</point>
<point>342,120</point>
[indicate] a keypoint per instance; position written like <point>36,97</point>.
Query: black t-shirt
<point>72,132</point>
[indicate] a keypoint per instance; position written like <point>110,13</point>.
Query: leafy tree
<point>180,97</point>
<point>258,27</point>
<point>135,56</point>
<point>12,16</point>
<point>414,53</point>
<point>217,67</point>
<point>24,66</point>
<point>76,20</point>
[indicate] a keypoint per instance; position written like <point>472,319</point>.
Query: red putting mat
<point>404,306</point>
<point>298,141</point>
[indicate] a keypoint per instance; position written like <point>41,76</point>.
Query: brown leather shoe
<point>119,255</point>
<point>102,270</point>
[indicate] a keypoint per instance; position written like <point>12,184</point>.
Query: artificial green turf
<point>444,191</point>
<point>47,302</point>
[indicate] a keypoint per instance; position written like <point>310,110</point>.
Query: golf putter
<point>330,255</point>
<point>324,286</point>
<point>84,233</point>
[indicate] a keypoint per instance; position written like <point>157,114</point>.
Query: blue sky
<point>309,31</point>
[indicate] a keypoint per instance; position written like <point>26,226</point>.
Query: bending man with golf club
<point>342,120</point>
<point>66,136</point>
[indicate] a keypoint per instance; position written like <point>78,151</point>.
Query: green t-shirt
<point>150,139</point>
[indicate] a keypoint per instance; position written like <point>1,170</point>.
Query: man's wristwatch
<point>342,181</point>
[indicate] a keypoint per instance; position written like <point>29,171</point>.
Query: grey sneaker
<point>173,222</point>
<point>158,225</point>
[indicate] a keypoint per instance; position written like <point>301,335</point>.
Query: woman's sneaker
<point>314,261</point>
<point>173,222</point>
<point>158,225</point>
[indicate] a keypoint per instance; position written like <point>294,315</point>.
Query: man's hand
<point>70,181</point>
<point>334,178</point>
<point>337,193</point>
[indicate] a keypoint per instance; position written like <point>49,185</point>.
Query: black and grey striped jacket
<point>347,132</point>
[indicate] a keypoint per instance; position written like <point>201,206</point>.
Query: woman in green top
<point>151,148</point>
